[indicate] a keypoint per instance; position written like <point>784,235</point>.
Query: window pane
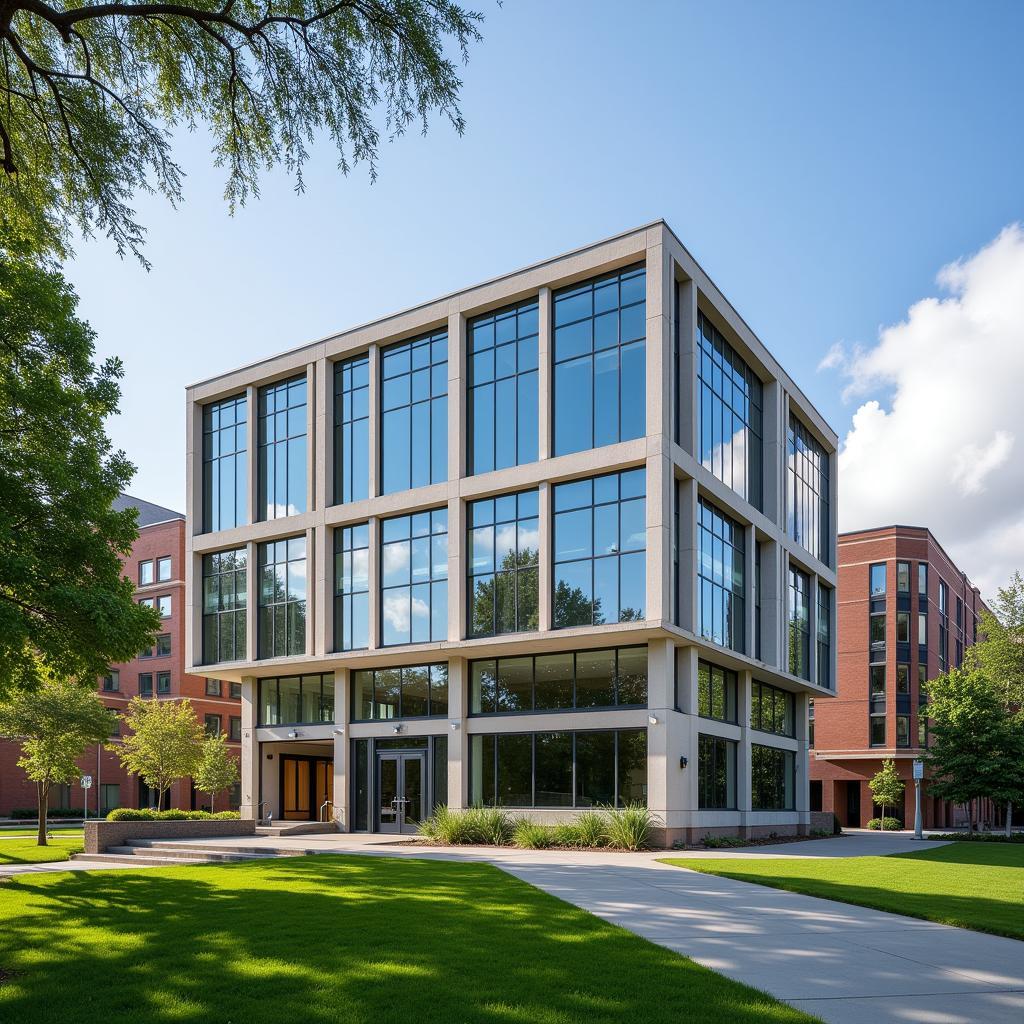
<point>595,769</point>
<point>553,772</point>
<point>595,672</point>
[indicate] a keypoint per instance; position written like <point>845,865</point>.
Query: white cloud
<point>834,358</point>
<point>945,452</point>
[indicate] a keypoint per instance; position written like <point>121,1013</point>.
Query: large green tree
<point>55,723</point>
<point>65,606</point>
<point>90,92</point>
<point>976,750</point>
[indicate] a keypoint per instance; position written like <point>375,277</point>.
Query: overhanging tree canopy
<point>90,91</point>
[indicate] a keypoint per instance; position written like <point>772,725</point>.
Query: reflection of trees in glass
<point>574,608</point>
<point>507,601</point>
<point>631,615</point>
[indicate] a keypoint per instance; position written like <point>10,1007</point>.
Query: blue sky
<point>821,162</point>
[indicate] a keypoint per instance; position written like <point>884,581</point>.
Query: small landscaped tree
<point>217,769</point>
<point>886,787</point>
<point>164,742</point>
<point>55,722</point>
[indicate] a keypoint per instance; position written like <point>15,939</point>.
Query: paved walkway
<point>846,964</point>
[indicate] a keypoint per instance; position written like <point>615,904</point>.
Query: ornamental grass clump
<point>475,826</point>
<point>629,827</point>
<point>529,835</point>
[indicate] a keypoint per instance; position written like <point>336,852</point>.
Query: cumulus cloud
<point>943,450</point>
<point>834,358</point>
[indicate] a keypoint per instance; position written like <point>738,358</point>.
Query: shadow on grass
<point>339,939</point>
<point>1005,855</point>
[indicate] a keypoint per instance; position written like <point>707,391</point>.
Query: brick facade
<point>161,535</point>
<point>844,758</point>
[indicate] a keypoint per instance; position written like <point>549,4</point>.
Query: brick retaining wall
<point>101,834</point>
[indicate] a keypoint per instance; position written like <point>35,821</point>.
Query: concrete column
<point>750,588</point>
<point>774,453</point>
<point>456,567</point>
<point>688,555</point>
<point>342,780</point>
<point>659,343</point>
<point>689,432</point>
<point>325,590</point>
<point>803,775</point>
<point>324,434</point>
<point>374,578</point>
<point>661,778</point>
<point>253,453</point>
<point>312,602</point>
<point>456,396</point>
<point>458,738</point>
<point>545,377</point>
<point>545,581</point>
<point>744,688</point>
<point>374,432</point>
<point>686,734</point>
<point>659,537</point>
<point>313,405</point>
<point>250,760</point>
<point>252,594</point>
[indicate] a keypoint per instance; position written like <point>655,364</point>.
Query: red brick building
<point>157,567</point>
<point>906,614</point>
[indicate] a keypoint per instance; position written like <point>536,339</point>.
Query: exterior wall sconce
<point>294,734</point>
<point>683,762</point>
<point>397,728</point>
<point>455,725</point>
<point>653,719</point>
<point>339,730</point>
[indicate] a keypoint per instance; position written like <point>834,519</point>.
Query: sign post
<point>918,776</point>
<point>86,783</point>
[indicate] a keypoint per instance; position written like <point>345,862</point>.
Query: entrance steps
<point>156,852</point>
<point>297,828</point>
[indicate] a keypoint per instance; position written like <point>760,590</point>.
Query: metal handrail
<point>325,804</point>
<point>259,810</point>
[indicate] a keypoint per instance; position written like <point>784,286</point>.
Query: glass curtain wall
<point>225,474</point>
<point>281,460</point>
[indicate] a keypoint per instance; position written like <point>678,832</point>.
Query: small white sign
<point>86,781</point>
<point>919,769</point>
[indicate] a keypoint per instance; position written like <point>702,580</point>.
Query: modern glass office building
<point>559,540</point>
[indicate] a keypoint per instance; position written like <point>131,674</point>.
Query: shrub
<point>227,816</point>
<point>150,814</point>
<point>837,829</point>
<point>21,813</point>
<point>978,837</point>
<point>592,829</point>
<point>723,842</point>
<point>629,827</point>
<point>529,835</point>
<point>489,826</point>
<point>885,824</point>
<point>822,833</point>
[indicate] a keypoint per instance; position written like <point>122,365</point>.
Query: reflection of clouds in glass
<point>483,548</point>
<point>396,611</point>
<point>396,560</point>
<point>505,538</point>
<point>529,538</point>
<point>727,460</point>
<point>280,511</point>
<point>360,569</point>
<point>420,609</point>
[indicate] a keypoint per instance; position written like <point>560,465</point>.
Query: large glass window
<point>807,491</point>
<point>503,544</point>
<point>282,606</point>
<point>716,692</point>
<point>351,587</point>
<point>943,626</point>
<point>224,606</point>
<point>600,540</point>
<point>502,391</point>
<point>799,623</point>
<point>351,429</point>
<point>772,778</point>
<point>225,474</point>
<point>772,709</point>
<point>559,769</point>
<point>282,449</point>
<point>716,773</point>
<point>412,691</point>
<point>903,577</point>
<point>877,573</point>
<point>414,578</point>
<point>296,700</point>
<point>721,575</point>
<point>824,632</point>
<point>414,413</point>
<point>600,395</point>
<point>560,682</point>
<point>730,414</point>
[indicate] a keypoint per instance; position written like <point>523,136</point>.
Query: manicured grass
<point>21,830</point>
<point>971,885</point>
<point>25,851</point>
<point>339,940</point>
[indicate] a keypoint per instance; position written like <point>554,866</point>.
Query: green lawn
<point>972,885</point>
<point>25,851</point>
<point>339,939</point>
<point>21,830</point>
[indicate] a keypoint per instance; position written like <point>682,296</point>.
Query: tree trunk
<point>970,820</point>
<point>1009,818</point>
<point>42,799</point>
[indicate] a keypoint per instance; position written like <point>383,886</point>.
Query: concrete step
<point>296,828</point>
<point>141,861</point>
<point>191,849</point>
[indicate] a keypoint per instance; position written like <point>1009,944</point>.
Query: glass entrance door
<point>400,791</point>
<point>306,782</point>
